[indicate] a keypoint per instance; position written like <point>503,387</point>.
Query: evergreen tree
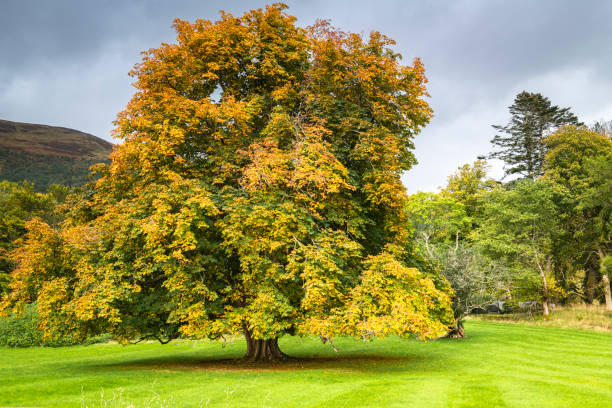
<point>603,127</point>
<point>519,142</point>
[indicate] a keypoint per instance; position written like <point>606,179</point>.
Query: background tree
<point>476,280</point>
<point>597,200</point>
<point>20,203</point>
<point>577,162</point>
<point>257,191</point>
<point>606,271</point>
<point>438,221</point>
<point>467,185</point>
<point>519,228</point>
<point>436,218</point>
<point>604,127</point>
<point>520,143</point>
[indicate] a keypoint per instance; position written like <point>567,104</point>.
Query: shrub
<point>23,331</point>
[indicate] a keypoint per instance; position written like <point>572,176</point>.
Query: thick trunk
<point>590,283</point>
<point>458,332</point>
<point>262,349</point>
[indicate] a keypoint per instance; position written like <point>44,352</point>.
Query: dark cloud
<point>66,62</point>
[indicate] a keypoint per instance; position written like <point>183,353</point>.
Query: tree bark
<point>607,292</point>
<point>545,307</point>
<point>590,282</point>
<point>262,350</point>
<point>458,332</point>
<point>605,280</point>
<point>543,275</point>
<point>429,251</point>
<point>456,244</point>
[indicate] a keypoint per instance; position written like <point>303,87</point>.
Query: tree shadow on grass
<point>351,362</point>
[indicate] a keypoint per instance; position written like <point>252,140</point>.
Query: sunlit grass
<point>498,365</point>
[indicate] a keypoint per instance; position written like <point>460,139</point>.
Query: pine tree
<point>520,141</point>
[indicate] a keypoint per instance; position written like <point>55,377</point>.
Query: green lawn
<point>498,365</point>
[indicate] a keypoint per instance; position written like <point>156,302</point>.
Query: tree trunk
<point>607,292</point>
<point>604,278</point>
<point>545,307</point>
<point>262,350</point>
<point>458,332</point>
<point>543,275</point>
<point>429,251</point>
<point>590,283</point>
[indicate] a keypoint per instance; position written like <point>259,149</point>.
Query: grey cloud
<point>66,62</point>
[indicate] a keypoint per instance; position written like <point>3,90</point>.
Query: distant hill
<point>48,155</point>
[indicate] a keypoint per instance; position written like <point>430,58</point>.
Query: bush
<point>20,331</point>
<point>512,306</point>
<point>23,331</point>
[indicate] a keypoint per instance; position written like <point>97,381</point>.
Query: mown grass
<point>592,317</point>
<point>498,365</point>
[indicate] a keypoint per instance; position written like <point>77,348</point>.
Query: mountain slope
<point>48,155</point>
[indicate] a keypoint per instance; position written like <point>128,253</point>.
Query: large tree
<point>578,160</point>
<point>519,143</point>
<point>519,227</point>
<point>257,191</point>
<point>597,200</point>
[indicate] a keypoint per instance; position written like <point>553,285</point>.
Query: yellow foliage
<point>257,188</point>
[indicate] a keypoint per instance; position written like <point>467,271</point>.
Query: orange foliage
<point>258,187</point>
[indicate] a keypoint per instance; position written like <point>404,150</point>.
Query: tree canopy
<point>520,143</point>
<point>440,226</point>
<point>520,226</point>
<point>467,185</point>
<point>257,190</point>
<point>20,203</point>
<point>578,160</point>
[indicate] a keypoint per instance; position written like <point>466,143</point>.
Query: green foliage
<point>520,143</point>
<point>570,152</point>
<point>579,162</point>
<point>606,266</point>
<point>23,331</point>
<point>468,184</point>
<point>437,221</point>
<point>519,228</point>
<point>596,197</point>
<point>435,217</point>
<point>42,170</point>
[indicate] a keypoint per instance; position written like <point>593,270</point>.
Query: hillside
<point>48,155</point>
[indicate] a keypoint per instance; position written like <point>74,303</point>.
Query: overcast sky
<point>66,63</point>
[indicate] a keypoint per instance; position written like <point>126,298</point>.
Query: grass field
<point>498,365</point>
